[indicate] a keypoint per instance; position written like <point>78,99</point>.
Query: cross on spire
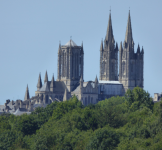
<point>110,9</point>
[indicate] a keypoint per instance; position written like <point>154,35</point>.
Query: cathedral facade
<point>130,62</point>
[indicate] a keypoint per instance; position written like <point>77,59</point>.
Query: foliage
<point>129,122</point>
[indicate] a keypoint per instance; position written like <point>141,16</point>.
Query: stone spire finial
<point>82,51</point>
<point>59,50</point>
<point>65,98</point>
<point>46,77</point>
<point>52,84</point>
<point>128,36</point>
<point>82,44</point>
<point>39,84</point>
<point>142,51</point>
<point>109,35</point>
<point>138,49</point>
<point>96,80</point>
<point>101,47</point>
<point>27,94</point>
<point>121,47</point>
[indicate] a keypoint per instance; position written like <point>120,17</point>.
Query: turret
<point>27,94</point>
<point>46,77</point>
<point>52,85</point>
<point>39,84</point>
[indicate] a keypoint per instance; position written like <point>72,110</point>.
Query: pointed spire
<point>96,80</point>
<point>109,35</point>
<point>101,47</point>
<point>128,36</point>
<point>39,85</point>
<point>65,98</point>
<point>138,49</point>
<point>82,44</point>
<point>82,51</point>
<point>46,77</point>
<point>121,47</point>
<point>109,29</point>
<point>52,83</point>
<point>142,51</point>
<point>59,50</point>
<point>27,93</point>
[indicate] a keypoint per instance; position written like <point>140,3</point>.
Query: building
<point>130,62</point>
<point>70,74</point>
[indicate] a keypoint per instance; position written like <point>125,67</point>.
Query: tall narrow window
<point>123,67</point>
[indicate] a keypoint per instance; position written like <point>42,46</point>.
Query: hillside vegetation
<point>132,122</point>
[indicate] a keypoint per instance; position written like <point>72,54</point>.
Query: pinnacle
<point>39,85</point>
<point>142,51</point>
<point>96,79</point>
<point>101,47</point>
<point>52,82</point>
<point>27,93</point>
<point>138,49</point>
<point>109,34</point>
<point>46,77</point>
<point>128,36</point>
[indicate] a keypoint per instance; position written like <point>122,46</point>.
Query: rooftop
<point>70,42</point>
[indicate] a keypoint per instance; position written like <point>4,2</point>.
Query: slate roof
<point>45,87</point>
<point>59,86</point>
<point>84,85</point>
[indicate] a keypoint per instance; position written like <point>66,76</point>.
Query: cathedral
<point>70,74</point>
<point>130,62</point>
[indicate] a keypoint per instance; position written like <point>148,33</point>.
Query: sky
<point>30,32</point>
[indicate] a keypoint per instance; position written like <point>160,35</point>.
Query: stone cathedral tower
<point>109,56</point>
<point>130,63</point>
<point>70,64</point>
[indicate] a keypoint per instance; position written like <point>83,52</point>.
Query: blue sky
<point>30,32</point>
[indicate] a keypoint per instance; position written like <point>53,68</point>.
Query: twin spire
<point>128,35</point>
<point>109,35</point>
